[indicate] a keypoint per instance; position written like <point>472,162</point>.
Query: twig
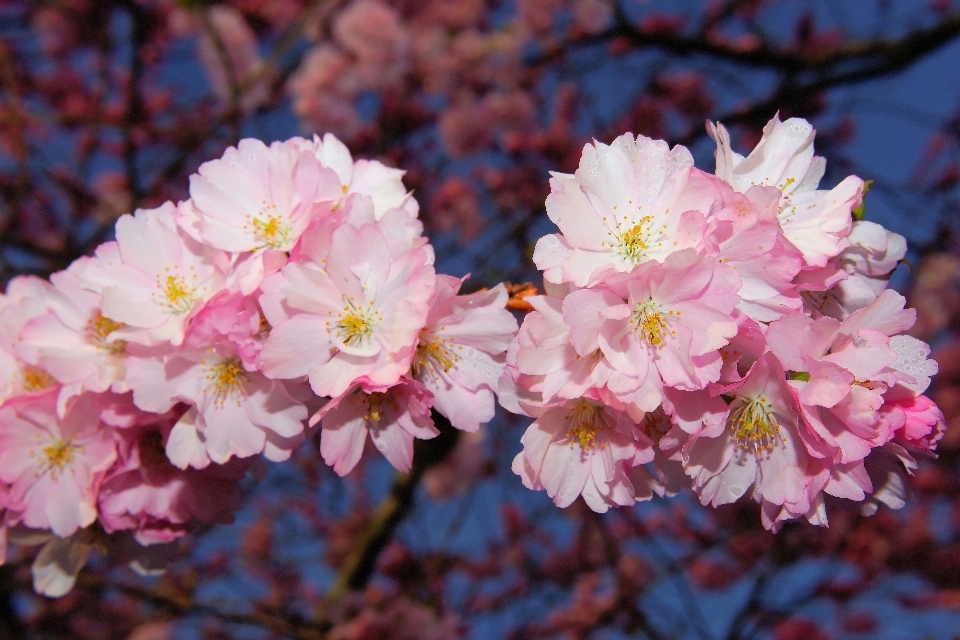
<point>184,605</point>
<point>233,84</point>
<point>362,560</point>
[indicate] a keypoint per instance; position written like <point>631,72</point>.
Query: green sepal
<point>859,211</point>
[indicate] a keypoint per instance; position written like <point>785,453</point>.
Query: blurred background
<point>109,105</point>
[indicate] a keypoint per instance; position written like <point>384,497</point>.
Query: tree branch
<point>897,52</point>
<point>298,629</point>
<point>361,562</point>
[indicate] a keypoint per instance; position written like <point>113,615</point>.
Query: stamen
<point>655,425</point>
<point>651,322</point>
<point>35,379</point>
<point>226,380</point>
<point>635,241</point>
<point>99,329</point>
<point>270,228</point>
<point>585,424</point>
<point>755,428</point>
<point>433,353</point>
<point>354,324</point>
<point>178,296</point>
<point>56,457</point>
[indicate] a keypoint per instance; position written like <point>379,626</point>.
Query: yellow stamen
<point>56,457</point>
<point>652,324</point>
<point>99,329</point>
<point>433,353</point>
<point>586,423</point>
<point>635,241</point>
<point>355,324</point>
<point>755,428</point>
<point>270,228</point>
<point>226,380</point>
<point>179,296</point>
<point>35,379</point>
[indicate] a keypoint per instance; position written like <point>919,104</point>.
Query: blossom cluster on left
<point>293,288</point>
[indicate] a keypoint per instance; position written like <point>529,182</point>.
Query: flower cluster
<point>730,333</point>
<point>139,383</point>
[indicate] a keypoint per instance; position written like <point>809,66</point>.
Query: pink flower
<point>393,416</point>
<point>147,494</point>
<point>235,412</point>
<point>865,266</point>
<point>845,372</point>
<point>665,321</point>
<point>459,356</point>
<point>74,342</point>
<point>152,278</point>
<point>236,318</point>
<point>383,184</point>
<point>578,448</point>
<point>26,297</point>
<point>745,234</point>
<point>625,206</point>
<point>369,310</point>
<point>756,448</point>
<point>546,362</point>
<point>54,465</point>
<point>255,197</point>
<point>400,227</point>
<point>816,222</point>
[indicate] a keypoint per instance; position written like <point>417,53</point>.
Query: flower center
<point>56,456</point>
<point>755,428</point>
<point>651,322</point>
<point>99,328</point>
<point>270,228</point>
<point>585,424</point>
<point>635,241</point>
<point>226,380</point>
<point>433,353</point>
<point>35,379</point>
<point>655,425</point>
<point>375,406</point>
<point>355,324</point>
<point>175,293</point>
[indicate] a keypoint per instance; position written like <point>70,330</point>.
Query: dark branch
<point>894,53</point>
<point>362,561</point>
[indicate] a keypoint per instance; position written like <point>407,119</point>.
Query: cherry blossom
<point>393,416</point>
<point>152,278</point>
<point>817,222</point>
<point>578,448</point>
<point>623,207</point>
<point>370,178</point>
<point>666,321</point>
<point>459,355</point>
<point>54,466</point>
<point>26,298</point>
<point>358,318</point>
<point>74,342</point>
<point>756,450</point>
<point>145,493</point>
<point>237,412</point>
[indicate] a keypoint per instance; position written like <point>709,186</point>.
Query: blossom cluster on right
<point>731,333</point>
